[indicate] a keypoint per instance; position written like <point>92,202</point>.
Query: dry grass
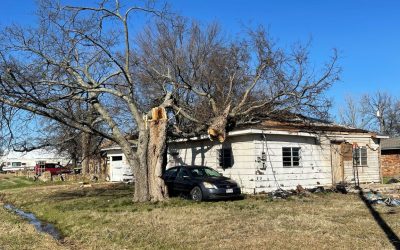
<point>103,217</point>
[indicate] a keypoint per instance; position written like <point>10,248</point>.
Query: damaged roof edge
<point>282,132</point>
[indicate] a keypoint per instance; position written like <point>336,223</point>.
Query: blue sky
<point>366,33</point>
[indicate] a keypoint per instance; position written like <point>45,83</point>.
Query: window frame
<point>227,159</point>
<point>360,158</point>
<point>292,157</point>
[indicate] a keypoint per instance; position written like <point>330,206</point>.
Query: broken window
<point>225,158</point>
<point>360,156</point>
<point>291,156</point>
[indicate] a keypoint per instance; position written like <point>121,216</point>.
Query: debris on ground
<point>319,190</point>
<point>374,197</point>
<point>346,188</point>
<point>377,198</point>
<point>374,193</point>
<point>280,194</point>
<point>385,195</point>
<point>299,191</point>
<point>84,184</point>
<point>392,202</point>
<point>392,180</point>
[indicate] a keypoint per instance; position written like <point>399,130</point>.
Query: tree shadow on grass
<point>390,234</point>
<point>114,191</point>
<point>97,198</point>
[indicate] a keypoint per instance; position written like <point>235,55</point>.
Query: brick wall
<point>390,163</point>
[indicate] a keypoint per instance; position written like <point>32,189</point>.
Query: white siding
<point>314,169</point>
<point>315,164</point>
<point>369,173</point>
<point>205,153</point>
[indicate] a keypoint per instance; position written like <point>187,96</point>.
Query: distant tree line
<point>378,112</point>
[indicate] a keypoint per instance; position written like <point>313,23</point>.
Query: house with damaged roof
<point>283,153</point>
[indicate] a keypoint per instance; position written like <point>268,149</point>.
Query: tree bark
<point>148,161</point>
<point>86,145</point>
<point>156,148</point>
<point>140,169</point>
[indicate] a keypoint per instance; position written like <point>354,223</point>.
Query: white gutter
<point>251,131</point>
<point>115,148</point>
<point>270,132</point>
<point>382,137</point>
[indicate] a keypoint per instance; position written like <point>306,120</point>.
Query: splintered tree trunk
<point>148,163</point>
<point>217,129</point>
<point>149,186</point>
<point>157,146</point>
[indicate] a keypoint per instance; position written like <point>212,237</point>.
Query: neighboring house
<point>279,154</point>
<point>390,157</point>
<point>117,167</point>
<point>13,161</point>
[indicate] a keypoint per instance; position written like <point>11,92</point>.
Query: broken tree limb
<point>217,129</point>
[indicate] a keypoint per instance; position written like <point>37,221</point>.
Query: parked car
<point>200,182</point>
<point>53,168</point>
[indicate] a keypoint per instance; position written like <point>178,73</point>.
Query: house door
<point>337,163</point>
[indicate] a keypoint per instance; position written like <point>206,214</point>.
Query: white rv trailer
<point>15,161</point>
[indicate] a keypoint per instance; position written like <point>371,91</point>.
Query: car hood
<point>218,180</point>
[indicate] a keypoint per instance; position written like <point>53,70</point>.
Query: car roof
<point>189,166</point>
<point>193,166</point>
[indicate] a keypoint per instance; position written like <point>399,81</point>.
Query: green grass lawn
<point>103,217</point>
<point>10,181</point>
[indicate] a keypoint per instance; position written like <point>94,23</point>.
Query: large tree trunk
<point>86,145</point>
<point>148,167</point>
<point>140,168</point>
<point>157,145</point>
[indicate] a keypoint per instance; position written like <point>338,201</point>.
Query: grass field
<point>103,217</point>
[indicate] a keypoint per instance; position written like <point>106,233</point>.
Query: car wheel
<point>196,194</point>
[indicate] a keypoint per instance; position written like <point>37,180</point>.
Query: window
<point>291,157</point>
<point>182,172</point>
<point>204,172</point>
<point>116,158</point>
<point>360,156</point>
<point>225,158</point>
<point>16,164</point>
<point>171,173</point>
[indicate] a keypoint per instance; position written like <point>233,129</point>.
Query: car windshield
<point>204,172</point>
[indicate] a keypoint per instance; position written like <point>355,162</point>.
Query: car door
<point>183,181</point>
<point>169,178</point>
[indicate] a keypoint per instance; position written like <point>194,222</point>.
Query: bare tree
<point>383,110</point>
<point>207,82</point>
<point>218,83</point>
<point>377,112</point>
<point>83,55</point>
<point>351,114</point>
